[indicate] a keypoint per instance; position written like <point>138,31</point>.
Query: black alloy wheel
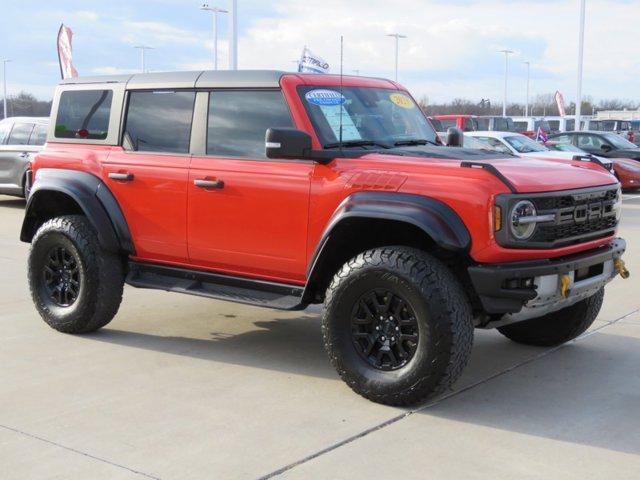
<point>384,329</point>
<point>62,276</point>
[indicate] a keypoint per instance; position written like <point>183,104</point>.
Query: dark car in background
<point>605,144</point>
<point>20,139</point>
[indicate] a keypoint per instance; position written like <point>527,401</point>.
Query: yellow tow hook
<point>621,268</point>
<point>565,281</point>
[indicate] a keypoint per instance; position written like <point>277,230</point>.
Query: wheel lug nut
<point>377,327</point>
<point>383,338</point>
<point>397,329</point>
<point>393,339</point>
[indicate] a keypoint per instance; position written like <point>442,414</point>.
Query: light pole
<point>526,107</point>
<point>4,84</point>
<point>233,36</point>
<point>142,49</point>
<point>397,36</point>
<point>580,58</point>
<point>506,80</point>
<point>215,11</point>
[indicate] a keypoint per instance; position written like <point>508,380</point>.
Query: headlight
<point>523,219</point>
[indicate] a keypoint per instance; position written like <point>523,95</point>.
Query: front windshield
<point>618,141</point>
<point>368,116</point>
<point>523,144</point>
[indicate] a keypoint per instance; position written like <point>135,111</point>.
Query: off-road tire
<point>558,327</point>
<point>444,322</point>
<point>101,276</point>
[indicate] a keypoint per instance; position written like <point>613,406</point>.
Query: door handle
<point>204,183</point>
<point>123,177</point>
<point>24,154</point>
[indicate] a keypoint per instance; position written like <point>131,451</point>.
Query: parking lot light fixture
<point>526,105</point>
<point>397,37</point>
<point>506,79</point>
<point>215,11</point>
<point>143,48</point>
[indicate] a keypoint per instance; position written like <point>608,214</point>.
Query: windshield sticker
<point>401,100</point>
<point>322,97</point>
<point>332,114</point>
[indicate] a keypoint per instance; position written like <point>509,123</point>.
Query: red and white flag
<point>560,103</point>
<point>65,53</point>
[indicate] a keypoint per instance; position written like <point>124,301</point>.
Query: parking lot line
<point>431,404</point>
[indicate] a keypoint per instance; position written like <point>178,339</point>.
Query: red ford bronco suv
<point>283,190</point>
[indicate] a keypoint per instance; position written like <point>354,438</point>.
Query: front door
<point>148,173</point>
<point>247,214</point>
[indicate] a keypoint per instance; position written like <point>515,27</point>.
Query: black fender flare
<point>439,221</point>
<point>91,195</point>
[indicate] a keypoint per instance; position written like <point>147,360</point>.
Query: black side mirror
<point>455,137</point>
<point>287,143</point>
<point>606,147</point>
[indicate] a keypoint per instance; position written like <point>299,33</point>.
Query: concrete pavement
<point>184,387</point>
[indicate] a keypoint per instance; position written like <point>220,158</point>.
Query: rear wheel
<point>557,327</point>
<point>397,325</point>
<point>75,285</point>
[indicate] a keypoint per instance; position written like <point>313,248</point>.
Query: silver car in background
<point>21,138</point>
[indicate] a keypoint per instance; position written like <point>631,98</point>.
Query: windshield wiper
<point>414,141</point>
<point>356,143</point>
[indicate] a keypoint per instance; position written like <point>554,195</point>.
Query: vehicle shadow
<point>292,345</point>
<point>586,393</point>
<point>12,202</point>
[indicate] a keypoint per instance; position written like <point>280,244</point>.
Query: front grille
<point>566,201</point>
<point>579,216</point>
<point>597,228</point>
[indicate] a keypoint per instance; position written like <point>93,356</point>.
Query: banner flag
<point>65,53</point>
<point>560,103</point>
<point>312,63</point>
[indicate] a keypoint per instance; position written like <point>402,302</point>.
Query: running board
<point>212,285</point>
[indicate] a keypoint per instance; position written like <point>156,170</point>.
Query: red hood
<point>549,175</point>
<point>527,175</point>
<point>627,163</point>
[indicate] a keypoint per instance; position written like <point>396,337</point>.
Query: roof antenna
<point>341,88</point>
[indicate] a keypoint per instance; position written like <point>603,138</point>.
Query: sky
<point>451,50</point>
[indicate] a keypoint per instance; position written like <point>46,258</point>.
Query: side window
<point>39,134</point>
<point>446,124</point>
<point>20,134</point>
<point>498,145</point>
<point>84,114</point>
<point>238,121</point>
<point>469,126</point>
<point>520,126</point>
<point>554,125</point>
<point>589,141</point>
<point>570,125</point>
<point>159,121</point>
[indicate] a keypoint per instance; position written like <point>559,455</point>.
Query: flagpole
<point>580,61</point>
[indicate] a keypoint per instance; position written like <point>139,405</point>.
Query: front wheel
<point>559,327</point>
<point>75,285</point>
<point>397,325</point>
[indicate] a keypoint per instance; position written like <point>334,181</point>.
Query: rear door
<point>15,157</point>
<point>148,172</point>
<point>247,214</point>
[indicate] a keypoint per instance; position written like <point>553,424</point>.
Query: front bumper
<point>530,289</point>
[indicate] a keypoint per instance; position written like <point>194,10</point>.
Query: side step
<point>212,285</point>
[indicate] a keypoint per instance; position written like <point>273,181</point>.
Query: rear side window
<point>20,134</point>
<point>159,121</point>
<point>84,114</point>
<point>39,135</point>
<point>238,121</point>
